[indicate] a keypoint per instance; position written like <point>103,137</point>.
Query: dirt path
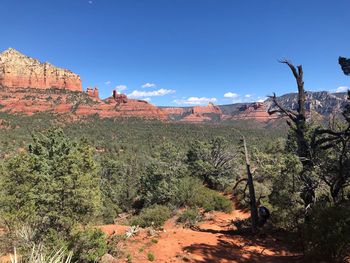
<point>214,240</point>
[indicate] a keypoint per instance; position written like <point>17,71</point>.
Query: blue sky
<point>185,52</point>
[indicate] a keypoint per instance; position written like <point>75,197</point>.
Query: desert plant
<point>40,255</point>
<point>150,256</point>
<point>114,244</point>
<point>89,245</point>
<point>190,217</point>
<point>327,233</point>
<point>132,231</point>
<point>192,193</point>
<point>154,216</point>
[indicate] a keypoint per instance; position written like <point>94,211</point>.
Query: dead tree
<point>324,139</point>
<point>253,208</point>
<point>297,122</point>
<point>250,185</point>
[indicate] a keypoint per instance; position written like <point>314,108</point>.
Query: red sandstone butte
<point>20,71</point>
<point>28,86</point>
<point>256,111</point>
<point>194,114</point>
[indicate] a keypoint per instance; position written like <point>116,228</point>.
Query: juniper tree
<point>52,186</point>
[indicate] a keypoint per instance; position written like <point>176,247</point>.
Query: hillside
<point>28,86</point>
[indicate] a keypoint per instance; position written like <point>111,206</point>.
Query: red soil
<point>214,240</point>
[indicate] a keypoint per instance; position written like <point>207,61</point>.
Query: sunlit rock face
<point>20,71</point>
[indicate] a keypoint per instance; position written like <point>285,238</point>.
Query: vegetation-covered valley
<point>64,184</point>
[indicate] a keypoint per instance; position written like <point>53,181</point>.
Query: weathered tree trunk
<point>300,130</point>
<point>253,207</point>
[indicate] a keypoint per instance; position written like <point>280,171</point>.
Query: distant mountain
<point>322,102</point>
<point>29,86</point>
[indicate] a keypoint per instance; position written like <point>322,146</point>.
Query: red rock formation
<point>119,98</point>
<point>210,108</point>
<point>194,114</point>
<point>29,101</point>
<point>26,87</point>
<point>92,92</point>
<point>121,106</point>
<point>256,111</point>
<point>20,71</point>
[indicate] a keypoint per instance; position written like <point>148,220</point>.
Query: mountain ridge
<point>28,86</point>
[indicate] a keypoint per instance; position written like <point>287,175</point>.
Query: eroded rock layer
<point>20,71</point>
<point>29,101</point>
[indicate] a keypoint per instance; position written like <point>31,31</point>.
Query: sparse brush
<point>132,231</point>
<point>190,217</point>
<point>39,255</point>
<point>150,256</point>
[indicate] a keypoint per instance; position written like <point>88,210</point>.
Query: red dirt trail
<point>213,241</point>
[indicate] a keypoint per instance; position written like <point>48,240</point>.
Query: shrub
<point>218,203</point>
<point>327,233</point>
<point>39,254</point>
<point>151,256</point>
<point>191,192</point>
<point>152,216</point>
<point>190,217</point>
<point>113,245</point>
<point>89,245</point>
<point>214,162</point>
<point>52,186</point>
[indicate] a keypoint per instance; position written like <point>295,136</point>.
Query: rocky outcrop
<point>20,71</point>
<point>92,92</point>
<point>30,101</point>
<point>110,108</point>
<point>322,102</point>
<point>194,114</point>
<point>256,111</point>
<point>29,86</point>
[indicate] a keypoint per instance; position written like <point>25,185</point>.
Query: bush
<point>152,216</point>
<point>218,203</point>
<point>190,217</point>
<point>151,256</point>
<point>89,245</point>
<point>114,247</point>
<point>327,233</point>
<point>192,193</point>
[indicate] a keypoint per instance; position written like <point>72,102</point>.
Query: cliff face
<point>319,104</point>
<point>29,101</point>
<point>194,114</point>
<point>256,111</point>
<point>20,71</point>
<point>29,86</point>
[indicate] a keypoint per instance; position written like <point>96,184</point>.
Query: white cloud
<point>341,89</point>
<point>147,99</point>
<point>261,99</point>
<point>248,95</point>
<point>195,101</point>
<point>154,93</point>
<point>148,85</point>
<point>108,82</point>
<point>90,2</point>
<point>120,88</point>
<point>231,95</point>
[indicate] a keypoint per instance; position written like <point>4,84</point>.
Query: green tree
<point>119,185</point>
<point>345,65</point>
<point>215,162</point>
<point>159,183</point>
<point>52,186</point>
